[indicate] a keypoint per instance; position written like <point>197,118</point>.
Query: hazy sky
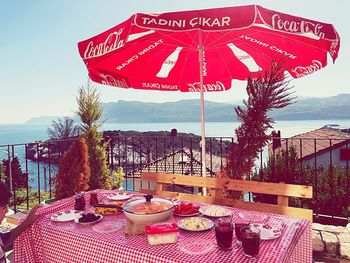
<point>41,70</point>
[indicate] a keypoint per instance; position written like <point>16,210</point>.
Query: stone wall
<point>331,239</point>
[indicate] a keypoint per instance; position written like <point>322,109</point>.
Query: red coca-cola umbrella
<point>204,50</point>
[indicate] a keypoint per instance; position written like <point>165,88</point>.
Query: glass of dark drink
<point>238,226</point>
<point>79,201</point>
<point>250,241</point>
<point>224,233</point>
<point>93,199</point>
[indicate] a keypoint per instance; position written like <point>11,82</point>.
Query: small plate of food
<point>65,216</point>
<point>186,209</point>
<point>108,209</point>
<point>195,224</point>
<point>268,232</point>
<point>88,219</point>
<point>5,228</point>
<point>119,196</point>
<point>215,211</point>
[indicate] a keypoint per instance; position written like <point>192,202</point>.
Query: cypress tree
<point>90,112</point>
<point>73,171</point>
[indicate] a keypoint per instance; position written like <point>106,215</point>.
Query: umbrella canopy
<point>204,50</point>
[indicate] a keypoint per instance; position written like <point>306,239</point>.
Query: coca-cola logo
<point>109,80</point>
<point>196,87</point>
<point>303,71</point>
<point>297,26</point>
<point>111,43</point>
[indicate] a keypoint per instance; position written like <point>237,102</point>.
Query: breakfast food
<point>151,207</point>
<point>215,211</point>
<point>88,218</point>
<point>194,223</point>
<point>158,234</point>
<point>107,209</point>
<point>186,208</point>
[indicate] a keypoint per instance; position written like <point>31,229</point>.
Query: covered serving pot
<point>148,210</point>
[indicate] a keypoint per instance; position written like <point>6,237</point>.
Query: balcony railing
<point>320,162</point>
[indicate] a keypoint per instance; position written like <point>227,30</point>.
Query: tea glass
<point>79,201</point>
<point>250,241</point>
<point>238,226</point>
<point>224,233</point>
<point>93,198</point>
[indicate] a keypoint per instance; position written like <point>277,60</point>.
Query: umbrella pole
<point>201,50</point>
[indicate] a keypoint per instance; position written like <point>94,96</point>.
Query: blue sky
<point>41,70</point>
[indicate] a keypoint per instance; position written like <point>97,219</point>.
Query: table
<point>47,241</point>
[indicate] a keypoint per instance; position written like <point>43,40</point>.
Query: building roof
<point>182,162</point>
<point>315,142</point>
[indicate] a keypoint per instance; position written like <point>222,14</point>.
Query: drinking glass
<point>238,226</point>
<point>79,201</point>
<point>93,199</point>
<point>250,241</point>
<point>224,233</point>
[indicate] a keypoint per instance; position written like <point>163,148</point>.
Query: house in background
<point>183,161</point>
<point>320,147</point>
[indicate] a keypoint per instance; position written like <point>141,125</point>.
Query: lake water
<point>26,133</point>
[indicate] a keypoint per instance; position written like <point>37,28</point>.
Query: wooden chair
<point>282,190</point>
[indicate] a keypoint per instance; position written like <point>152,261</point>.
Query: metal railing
<point>29,169</point>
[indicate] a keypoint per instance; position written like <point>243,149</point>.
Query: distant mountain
<point>42,119</point>
<point>48,119</point>
<point>336,107</point>
<point>179,111</point>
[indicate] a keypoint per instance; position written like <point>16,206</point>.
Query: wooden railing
<point>281,190</point>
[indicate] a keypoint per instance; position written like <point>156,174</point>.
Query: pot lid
<point>148,205</point>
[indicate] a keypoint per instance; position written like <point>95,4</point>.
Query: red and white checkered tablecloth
<point>52,242</point>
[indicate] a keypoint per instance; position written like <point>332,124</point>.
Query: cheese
<point>159,239</point>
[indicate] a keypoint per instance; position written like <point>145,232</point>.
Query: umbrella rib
<point>185,44</point>
<point>244,43</point>
<point>225,65</point>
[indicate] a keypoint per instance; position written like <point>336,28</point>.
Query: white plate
<point>205,211</point>
<point>189,215</point>
<point>119,196</point>
<point>252,217</point>
<point>65,216</point>
<point>5,228</point>
<point>76,220</point>
<point>207,224</point>
<point>267,232</point>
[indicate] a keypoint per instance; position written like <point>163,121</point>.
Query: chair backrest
<point>281,190</point>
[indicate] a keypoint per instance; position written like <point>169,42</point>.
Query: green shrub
<point>330,188</point>
<point>90,112</point>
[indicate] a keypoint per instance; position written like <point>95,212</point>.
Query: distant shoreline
<point>115,123</point>
<point>26,133</point>
<point>187,111</point>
